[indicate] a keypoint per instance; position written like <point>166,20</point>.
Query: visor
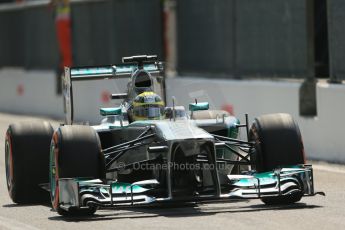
<point>148,111</point>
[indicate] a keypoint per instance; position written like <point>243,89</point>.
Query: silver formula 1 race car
<point>145,153</point>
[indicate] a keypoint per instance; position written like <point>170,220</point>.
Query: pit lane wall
<point>34,93</point>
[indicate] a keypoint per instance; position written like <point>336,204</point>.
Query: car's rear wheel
<point>26,159</point>
<point>278,143</point>
<point>75,152</point>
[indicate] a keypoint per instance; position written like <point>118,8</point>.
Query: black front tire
<point>27,159</point>
<point>278,143</point>
<point>75,152</point>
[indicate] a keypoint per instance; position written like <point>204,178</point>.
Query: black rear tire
<point>75,152</point>
<point>278,143</point>
<point>27,159</point>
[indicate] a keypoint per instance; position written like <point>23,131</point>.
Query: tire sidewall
<point>54,171</point>
<point>26,158</point>
<point>9,164</point>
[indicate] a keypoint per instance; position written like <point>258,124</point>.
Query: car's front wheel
<point>278,143</point>
<point>75,153</point>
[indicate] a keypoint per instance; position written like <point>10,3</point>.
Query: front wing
<point>79,193</point>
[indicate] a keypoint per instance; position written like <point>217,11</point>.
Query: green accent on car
<point>116,127</point>
<point>120,187</point>
<point>233,130</point>
<point>117,187</point>
<point>119,69</point>
<point>110,111</point>
<point>133,67</point>
<point>199,106</point>
<point>265,177</point>
<point>92,71</point>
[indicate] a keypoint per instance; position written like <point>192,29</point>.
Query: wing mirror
<point>198,106</point>
<point>110,111</point>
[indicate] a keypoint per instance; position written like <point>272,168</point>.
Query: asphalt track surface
<point>311,213</point>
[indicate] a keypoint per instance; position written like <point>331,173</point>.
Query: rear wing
<point>109,72</point>
<point>104,72</point>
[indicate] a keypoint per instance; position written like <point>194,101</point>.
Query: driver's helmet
<point>147,106</point>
